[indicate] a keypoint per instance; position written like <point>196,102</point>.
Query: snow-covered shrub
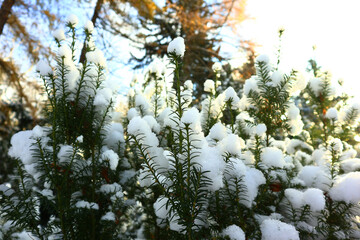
<point>272,160</point>
<point>69,170</point>
<point>241,163</point>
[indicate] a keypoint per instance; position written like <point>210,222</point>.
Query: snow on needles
<point>234,232</point>
<point>332,114</point>
<point>43,68</point>
<point>177,46</point>
<point>59,34</point>
<point>89,26</point>
<point>347,188</point>
<point>72,19</point>
<point>312,196</point>
<point>272,157</point>
<point>272,229</point>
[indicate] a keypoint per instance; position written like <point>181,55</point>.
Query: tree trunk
<point>97,9</point>
<point>5,11</point>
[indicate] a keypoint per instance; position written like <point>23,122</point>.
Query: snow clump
<point>347,188</point>
<point>234,232</point>
<point>88,205</point>
<point>332,114</point>
<point>72,19</point>
<point>89,26</point>
<point>312,196</point>
<point>177,46</point>
<point>43,68</point>
<point>209,86</point>
<point>109,216</point>
<point>218,131</point>
<point>272,229</point>
<point>112,157</point>
<point>260,129</point>
<point>272,157</point>
<point>59,34</point>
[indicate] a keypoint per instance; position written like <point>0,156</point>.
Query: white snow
<point>272,157</point>
<point>234,232</point>
<point>59,34</point>
<point>349,153</point>
<point>218,131</point>
<point>24,235</point>
<point>141,102</point>
<point>300,83</point>
<point>209,86</point>
<point>72,19</point>
<point>293,144</point>
<point>80,139</point>
<point>132,113</point>
<point>315,176</point>
<point>350,165</point>
<point>114,135</point>
<point>109,216</point>
<point>96,57</point>
<point>316,86</point>
<point>177,46</point>
<point>110,188</point>
<point>260,129</point>
<point>263,58</point>
<point>319,156</point>
<point>65,51</point>
<point>295,197</point>
<point>232,144</point>
<point>347,188</point>
<point>336,144</point>
<point>296,126</point>
<point>174,223</point>
<point>212,161</point>
<point>138,126</point>
<point>272,229</point>
<point>89,26</point>
<point>276,78</point>
<point>231,95</point>
<point>88,205</point>
<point>216,67</point>
<point>151,121</point>
<point>103,97</point>
<point>43,68</point>
<point>112,157</point>
<point>293,112</point>
<point>188,84</point>
<point>65,153</point>
<point>253,179</point>
<point>190,116</point>
<point>48,194</point>
<point>332,114</point>
<point>21,143</point>
<point>160,209</point>
<point>314,198</point>
<point>250,85</point>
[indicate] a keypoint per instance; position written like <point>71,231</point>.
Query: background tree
<point>21,38</point>
<point>150,28</point>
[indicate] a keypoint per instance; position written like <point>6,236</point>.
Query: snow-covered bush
<point>272,160</point>
<point>242,163</point>
<point>67,183</point>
